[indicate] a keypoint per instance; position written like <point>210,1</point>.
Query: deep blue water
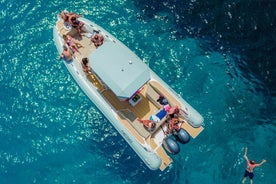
<point>219,55</point>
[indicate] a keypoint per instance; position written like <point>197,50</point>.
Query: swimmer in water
<point>251,164</point>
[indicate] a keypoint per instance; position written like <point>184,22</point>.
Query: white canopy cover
<point>119,68</point>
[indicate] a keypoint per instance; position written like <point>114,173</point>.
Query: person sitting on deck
<point>85,65</point>
<point>97,40</point>
<point>175,112</point>
<point>162,100</point>
<point>173,126</point>
<point>70,41</point>
<point>65,15</point>
<point>149,124</point>
<point>78,25</point>
<point>66,54</point>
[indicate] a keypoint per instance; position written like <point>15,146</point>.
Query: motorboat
<point>151,117</point>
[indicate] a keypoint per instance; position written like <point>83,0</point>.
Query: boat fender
<point>183,136</point>
<point>171,145</point>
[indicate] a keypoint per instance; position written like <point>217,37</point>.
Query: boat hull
<point>148,156</point>
<point>143,150</point>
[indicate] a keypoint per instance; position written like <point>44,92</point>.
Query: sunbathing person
<point>149,124</point>
<point>97,40</point>
<point>66,54</point>
<point>175,112</point>
<point>70,41</point>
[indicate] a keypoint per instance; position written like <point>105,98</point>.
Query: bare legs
<point>244,179</point>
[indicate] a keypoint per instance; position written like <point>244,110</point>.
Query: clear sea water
<point>219,55</point>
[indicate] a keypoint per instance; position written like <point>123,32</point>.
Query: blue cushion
<point>161,114</point>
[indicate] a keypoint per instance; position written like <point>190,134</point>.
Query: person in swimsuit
<point>70,41</point>
<point>85,65</point>
<point>148,124</point>
<point>174,112</point>
<point>173,126</point>
<point>162,100</point>
<point>97,40</point>
<point>66,54</point>
<point>251,164</point>
<point>73,20</point>
<point>65,15</point>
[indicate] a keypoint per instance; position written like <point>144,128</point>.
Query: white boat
<point>126,90</point>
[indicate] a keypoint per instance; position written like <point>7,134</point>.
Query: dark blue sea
<point>218,55</point>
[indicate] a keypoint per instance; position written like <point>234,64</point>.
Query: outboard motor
<point>183,136</point>
<point>171,145</point>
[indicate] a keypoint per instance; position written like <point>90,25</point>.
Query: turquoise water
<point>216,55</point>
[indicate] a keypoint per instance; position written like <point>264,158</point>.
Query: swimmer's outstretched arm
<point>262,162</point>
<point>245,151</point>
<point>245,155</point>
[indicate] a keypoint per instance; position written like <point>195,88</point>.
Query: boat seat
<point>152,95</point>
<point>159,124</point>
<point>141,129</point>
